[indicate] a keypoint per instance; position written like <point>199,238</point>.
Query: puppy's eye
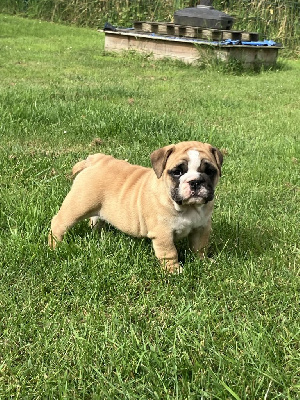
<point>177,172</point>
<point>210,170</point>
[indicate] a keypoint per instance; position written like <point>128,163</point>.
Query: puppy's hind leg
<point>78,205</point>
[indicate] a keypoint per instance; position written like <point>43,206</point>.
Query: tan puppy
<point>167,202</point>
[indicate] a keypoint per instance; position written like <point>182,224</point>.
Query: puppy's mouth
<point>200,195</point>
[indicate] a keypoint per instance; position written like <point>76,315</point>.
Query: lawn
<point>97,318</point>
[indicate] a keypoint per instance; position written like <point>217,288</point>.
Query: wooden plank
<point>147,27</point>
<point>176,30</point>
<point>191,32</point>
<point>250,36</point>
<point>162,29</point>
<point>211,34</point>
<point>171,29</point>
<point>233,35</point>
<point>186,51</point>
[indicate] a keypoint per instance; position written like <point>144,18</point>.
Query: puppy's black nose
<point>195,185</point>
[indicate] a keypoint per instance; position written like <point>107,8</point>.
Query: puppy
<point>172,200</point>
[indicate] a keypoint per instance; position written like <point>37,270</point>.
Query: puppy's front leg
<point>198,240</point>
<point>166,252</point>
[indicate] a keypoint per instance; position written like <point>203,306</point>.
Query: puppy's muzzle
<point>195,185</point>
<point>201,189</point>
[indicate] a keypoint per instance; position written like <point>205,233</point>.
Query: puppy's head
<point>191,171</point>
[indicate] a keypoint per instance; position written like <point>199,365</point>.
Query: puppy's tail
<point>78,167</point>
<point>81,165</point>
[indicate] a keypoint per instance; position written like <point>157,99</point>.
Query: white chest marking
<point>190,219</point>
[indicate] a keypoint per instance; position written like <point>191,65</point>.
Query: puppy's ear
<point>218,157</point>
<point>159,159</point>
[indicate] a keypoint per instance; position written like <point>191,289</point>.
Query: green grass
<point>277,20</point>
<point>98,319</point>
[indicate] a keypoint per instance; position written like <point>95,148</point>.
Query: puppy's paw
<point>172,267</point>
<point>176,269</point>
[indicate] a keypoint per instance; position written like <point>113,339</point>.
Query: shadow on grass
<point>232,239</point>
<point>240,240</point>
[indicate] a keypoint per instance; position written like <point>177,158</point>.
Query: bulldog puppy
<point>172,200</point>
